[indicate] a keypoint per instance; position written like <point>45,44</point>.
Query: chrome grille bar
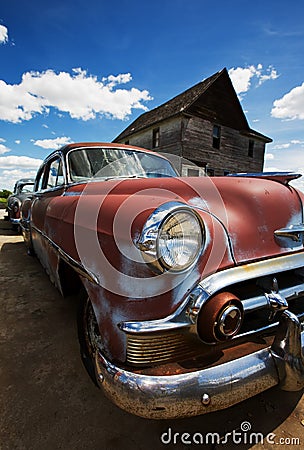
<point>145,350</point>
<point>259,302</point>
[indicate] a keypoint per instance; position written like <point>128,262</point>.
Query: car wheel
<point>89,336</point>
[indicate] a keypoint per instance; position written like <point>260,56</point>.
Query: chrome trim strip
<point>266,329</point>
<point>178,319</point>
<point>274,176</point>
<point>186,313</point>
<point>73,194</point>
<point>227,277</point>
<point>175,396</point>
<point>68,259</point>
<point>261,301</point>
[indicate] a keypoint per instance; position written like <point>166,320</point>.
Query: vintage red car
<point>191,289</point>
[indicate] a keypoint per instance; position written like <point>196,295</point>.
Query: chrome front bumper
<point>211,389</point>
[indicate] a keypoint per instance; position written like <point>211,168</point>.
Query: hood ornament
<point>276,301</point>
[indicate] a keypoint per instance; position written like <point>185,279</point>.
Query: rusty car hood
<point>250,210</point>
<point>254,210</point>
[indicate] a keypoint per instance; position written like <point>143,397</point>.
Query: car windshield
<point>27,188</point>
<point>107,163</point>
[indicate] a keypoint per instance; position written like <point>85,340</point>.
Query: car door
<point>45,226</point>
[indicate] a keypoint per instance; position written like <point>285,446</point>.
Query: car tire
<point>88,335</point>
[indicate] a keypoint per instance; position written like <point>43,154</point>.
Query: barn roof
<point>213,98</point>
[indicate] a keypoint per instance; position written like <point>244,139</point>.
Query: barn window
<point>155,138</point>
<point>250,148</point>
<point>193,172</point>
<point>216,135</point>
<point>210,172</point>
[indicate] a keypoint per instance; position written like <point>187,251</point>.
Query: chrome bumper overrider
<point>15,221</point>
<point>214,388</point>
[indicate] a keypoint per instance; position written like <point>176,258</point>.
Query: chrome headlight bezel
<point>149,241</point>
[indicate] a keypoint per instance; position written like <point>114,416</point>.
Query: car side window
<point>39,180</point>
<point>54,176</point>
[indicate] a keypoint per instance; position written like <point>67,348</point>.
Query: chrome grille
<point>156,348</point>
<point>260,315</point>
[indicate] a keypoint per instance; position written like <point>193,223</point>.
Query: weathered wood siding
<point>232,155</point>
<point>169,137</point>
<point>169,140</point>
<point>191,138</point>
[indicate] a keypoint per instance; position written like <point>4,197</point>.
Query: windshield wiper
<point>125,177</point>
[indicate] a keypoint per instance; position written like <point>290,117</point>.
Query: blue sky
<point>83,70</point>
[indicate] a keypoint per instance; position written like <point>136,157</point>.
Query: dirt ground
<point>47,400</point>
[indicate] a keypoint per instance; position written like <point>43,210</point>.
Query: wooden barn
<point>206,126</point>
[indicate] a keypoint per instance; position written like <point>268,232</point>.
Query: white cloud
<point>269,156</point>
<point>3,34</point>
<point>16,174</point>
<point>281,146</point>
<point>8,178</point>
<point>17,141</point>
<point>297,142</point>
<point>52,144</point>
<point>2,140</point>
<point>12,168</point>
<point>291,105</point>
<point>12,161</point>
<point>242,77</point>
<point>3,149</point>
<point>112,80</point>
<point>79,94</point>
<point>271,74</point>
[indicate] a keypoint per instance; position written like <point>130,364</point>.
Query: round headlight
<point>179,240</point>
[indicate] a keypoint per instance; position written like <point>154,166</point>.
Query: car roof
<point>25,181</point>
